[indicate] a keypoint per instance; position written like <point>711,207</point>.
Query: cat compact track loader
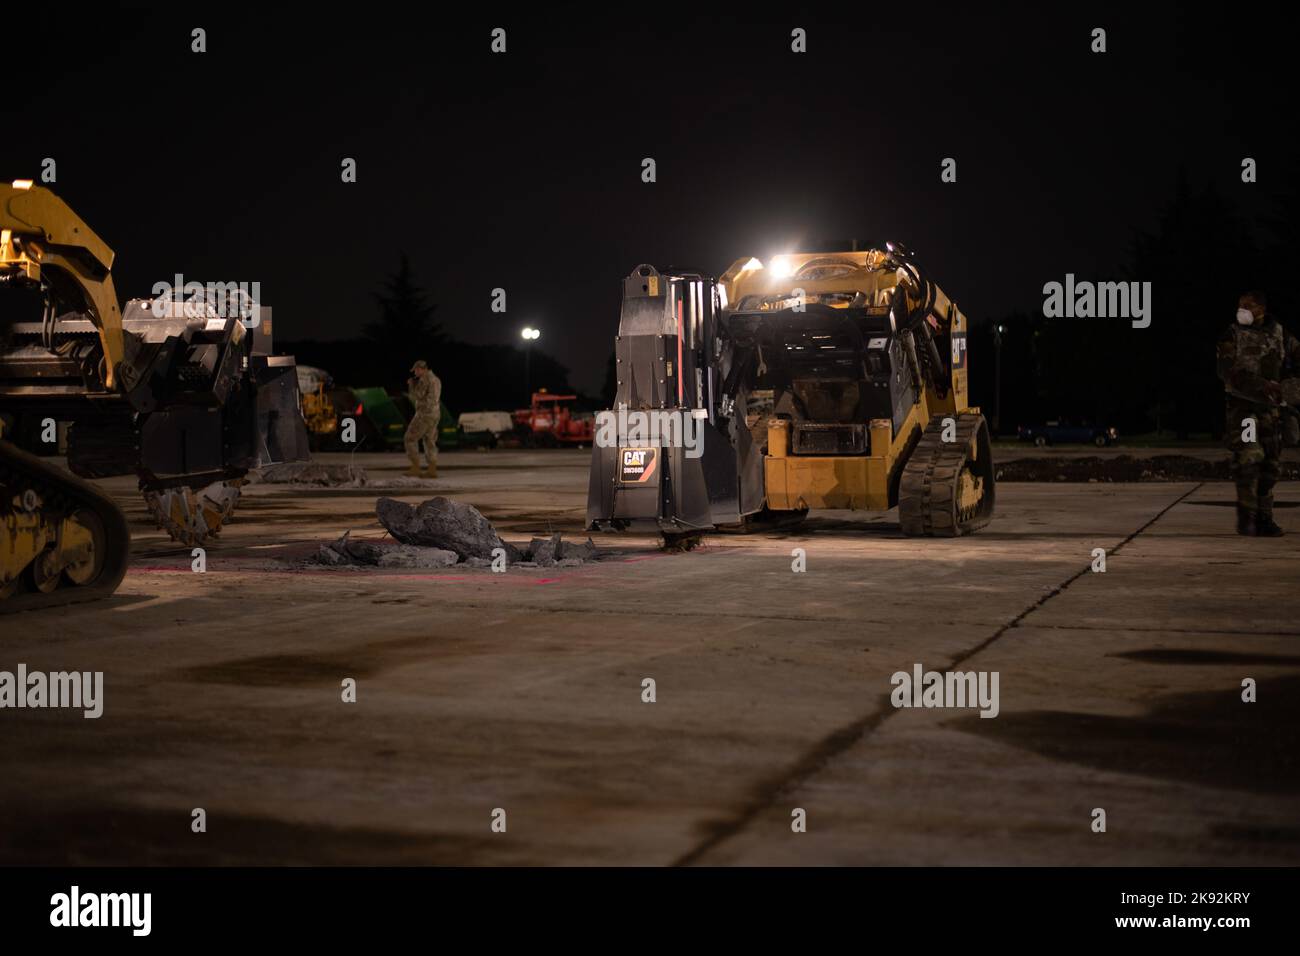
<point>819,381</point>
<point>166,389</point>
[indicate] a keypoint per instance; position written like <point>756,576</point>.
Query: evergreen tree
<point>406,329</point>
<point>1199,259</point>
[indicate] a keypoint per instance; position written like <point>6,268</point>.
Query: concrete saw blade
<point>194,516</point>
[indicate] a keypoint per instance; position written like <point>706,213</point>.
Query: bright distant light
<point>782,267</point>
<point>531,333</point>
<point>22,184</point>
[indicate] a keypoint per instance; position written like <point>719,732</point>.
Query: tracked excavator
<point>814,381</point>
<point>178,391</point>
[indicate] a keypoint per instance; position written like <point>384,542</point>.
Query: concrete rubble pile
<point>442,533</point>
<point>310,473</point>
<point>315,474</point>
<point>382,554</point>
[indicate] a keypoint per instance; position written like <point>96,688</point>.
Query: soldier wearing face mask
<point>1254,356</point>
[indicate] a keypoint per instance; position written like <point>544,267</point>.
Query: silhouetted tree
<point>1200,257</point>
<point>406,329</point>
<point>1283,252</point>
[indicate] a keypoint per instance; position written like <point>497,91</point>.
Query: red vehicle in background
<point>551,421</point>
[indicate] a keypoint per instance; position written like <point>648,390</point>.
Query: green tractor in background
<point>382,418</point>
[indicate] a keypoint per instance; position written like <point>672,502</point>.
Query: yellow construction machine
<point>174,390</point>
<point>812,381</point>
<point>318,411</point>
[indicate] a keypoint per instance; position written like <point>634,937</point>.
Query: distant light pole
<point>997,377</point>
<point>530,335</point>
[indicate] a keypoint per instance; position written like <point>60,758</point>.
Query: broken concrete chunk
<point>326,555</point>
<point>335,554</point>
<point>363,552</point>
<point>410,556</point>
<point>583,552</point>
<point>545,550</point>
<point>381,554</point>
<point>442,523</point>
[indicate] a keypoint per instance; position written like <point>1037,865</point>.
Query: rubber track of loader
<point>927,493</point>
<point>62,494</point>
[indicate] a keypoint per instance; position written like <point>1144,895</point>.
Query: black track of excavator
<point>61,495</point>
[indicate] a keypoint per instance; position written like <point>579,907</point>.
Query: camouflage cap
<point>419,365</point>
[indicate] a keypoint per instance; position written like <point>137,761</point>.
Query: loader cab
<point>827,365</point>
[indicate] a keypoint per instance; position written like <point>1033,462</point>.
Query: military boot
<point>432,470</point>
<point>414,470</point>
<point>1265,526</point>
<point>1245,520</point>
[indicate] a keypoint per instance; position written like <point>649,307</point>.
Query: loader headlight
<point>782,267</point>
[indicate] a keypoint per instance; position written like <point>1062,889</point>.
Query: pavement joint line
<point>1086,569</point>
<point>838,741</point>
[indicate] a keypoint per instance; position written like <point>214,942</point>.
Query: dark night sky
<point>523,170</point>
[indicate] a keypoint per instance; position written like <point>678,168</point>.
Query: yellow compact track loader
<point>814,381</point>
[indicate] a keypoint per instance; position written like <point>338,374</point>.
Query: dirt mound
<point>1124,468</point>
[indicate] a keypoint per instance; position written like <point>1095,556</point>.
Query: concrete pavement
<point>523,692</point>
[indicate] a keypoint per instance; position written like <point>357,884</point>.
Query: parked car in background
<point>1065,432</point>
<point>485,429</point>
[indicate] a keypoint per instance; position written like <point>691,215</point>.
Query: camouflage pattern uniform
<point>426,398</point>
<point>1250,359</point>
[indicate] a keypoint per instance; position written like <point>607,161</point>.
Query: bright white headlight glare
<point>782,267</point>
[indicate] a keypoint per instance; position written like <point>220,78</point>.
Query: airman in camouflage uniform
<point>1254,356</point>
<point>426,398</point>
